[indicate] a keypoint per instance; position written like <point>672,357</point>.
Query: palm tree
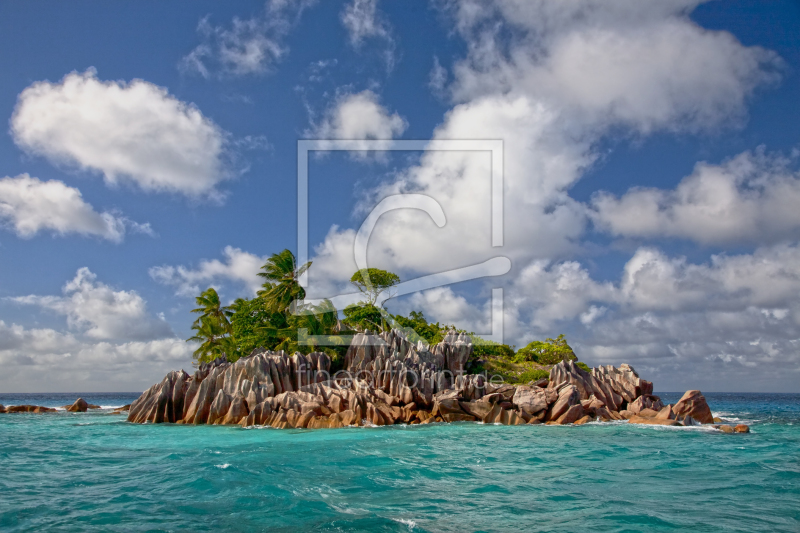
<point>211,308</point>
<point>213,328</point>
<point>212,338</point>
<point>282,287</point>
<point>320,321</point>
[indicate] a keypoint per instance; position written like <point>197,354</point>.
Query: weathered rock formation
<point>389,380</point>
<point>693,404</point>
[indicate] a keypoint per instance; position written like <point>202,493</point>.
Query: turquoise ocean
<point>96,472</point>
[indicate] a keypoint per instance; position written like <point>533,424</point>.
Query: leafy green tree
<point>254,326</point>
<point>549,352</point>
<point>373,281</point>
<point>417,324</point>
<point>282,287</point>
<point>365,316</point>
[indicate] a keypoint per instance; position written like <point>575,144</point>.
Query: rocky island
<point>389,380</point>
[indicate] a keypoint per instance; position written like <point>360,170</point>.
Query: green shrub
<point>549,352</point>
<point>583,366</point>
<point>534,375</point>
<point>430,333</point>
<point>482,347</point>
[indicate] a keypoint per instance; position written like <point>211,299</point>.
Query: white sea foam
<point>226,465</point>
<point>410,523</point>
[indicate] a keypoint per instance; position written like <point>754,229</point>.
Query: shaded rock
<point>424,415</point>
<point>447,406</point>
<point>667,413</point>
<point>622,381</point>
<point>583,420</point>
<point>492,398</point>
<point>568,396</point>
<point>742,428</point>
<point>626,414</point>
<point>726,428</point>
<point>647,401</point>
<point>259,415</point>
<point>510,418</point>
<point>349,418</point>
<point>237,411</point>
<point>530,399</point>
<point>636,419</point>
<point>495,416</point>
<point>592,403</point>
<point>458,417</point>
<point>693,403</point>
<point>648,413</point>
<point>219,408</point>
<point>717,420</point>
<point>80,406</point>
<point>573,414</point>
<point>164,401</point>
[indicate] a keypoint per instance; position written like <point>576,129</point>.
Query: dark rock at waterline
<point>638,419</point>
<point>29,409</point>
<point>80,406</point>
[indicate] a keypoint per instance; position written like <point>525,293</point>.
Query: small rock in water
<point>28,409</point>
<point>742,428</point>
<point>725,428</point>
<point>80,406</point>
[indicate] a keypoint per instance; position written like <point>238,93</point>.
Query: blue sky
<point>651,154</point>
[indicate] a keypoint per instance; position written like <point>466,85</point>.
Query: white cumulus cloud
<point>238,266</point>
<point>42,359</point>
<point>29,205</point>
<point>100,312</point>
<point>129,132</point>
<point>359,116</point>
<point>751,198</point>
<point>551,79</point>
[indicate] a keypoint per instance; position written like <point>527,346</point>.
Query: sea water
<point>96,472</point>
